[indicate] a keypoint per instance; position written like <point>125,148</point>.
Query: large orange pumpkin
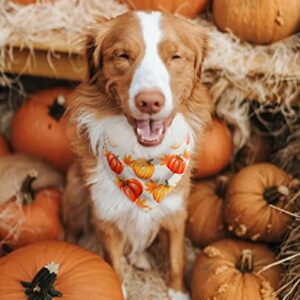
<point>30,216</point>
<point>39,128</point>
<point>205,221</point>
<point>57,270</point>
<point>251,192</point>
<point>189,8</point>
<point>4,148</point>
<point>215,149</point>
<point>229,269</point>
<point>258,21</point>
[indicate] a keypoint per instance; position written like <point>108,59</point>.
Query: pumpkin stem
<point>245,262</point>
<point>273,194</point>
<point>58,108</point>
<point>41,287</point>
<point>222,182</point>
<point>26,193</point>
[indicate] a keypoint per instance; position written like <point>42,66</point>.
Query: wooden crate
<point>53,58</point>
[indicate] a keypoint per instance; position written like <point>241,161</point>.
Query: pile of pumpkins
<point>256,21</point>
<point>35,262</point>
<point>228,214</point>
<point>234,216</point>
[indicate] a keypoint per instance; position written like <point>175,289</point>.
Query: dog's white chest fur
<point>137,225</point>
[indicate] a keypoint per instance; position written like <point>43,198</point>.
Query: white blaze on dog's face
<point>151,75</point>
<point>148,62</point>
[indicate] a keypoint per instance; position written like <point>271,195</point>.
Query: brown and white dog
<point>142,97</point>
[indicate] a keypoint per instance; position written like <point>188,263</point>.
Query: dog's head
<point>148,62</point>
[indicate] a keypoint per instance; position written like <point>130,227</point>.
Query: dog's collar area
<point>146,181</point>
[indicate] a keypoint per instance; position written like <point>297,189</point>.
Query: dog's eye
<point>123,56</point>
<point>176,56</point>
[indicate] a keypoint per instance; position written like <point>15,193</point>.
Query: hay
<point>290,258</point>
<point>234,71</point>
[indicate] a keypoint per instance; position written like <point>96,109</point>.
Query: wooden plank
<point>58,65</point>
<point>54,58</point>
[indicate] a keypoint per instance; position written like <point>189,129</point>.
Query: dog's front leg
<point>112,242</point>
<point>175,228</point>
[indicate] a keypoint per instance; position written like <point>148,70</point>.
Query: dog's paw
<point>124,292</point>
<point>140,261</point>
<point>173,295</point>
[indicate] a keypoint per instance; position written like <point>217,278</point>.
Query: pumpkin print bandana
<point>146,182</point>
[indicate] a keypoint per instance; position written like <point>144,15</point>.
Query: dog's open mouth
<point>150,132</point>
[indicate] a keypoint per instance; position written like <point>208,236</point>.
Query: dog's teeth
<point>160,132</point>
<point>138,130</point>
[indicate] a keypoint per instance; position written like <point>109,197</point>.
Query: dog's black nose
<point>150,101</point>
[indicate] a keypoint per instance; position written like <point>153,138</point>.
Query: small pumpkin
<point>15,167</point>
<point>30,216</point>
<point>175,163</point>
<point>142,168</point>
<point>229,269</point>
<point>214,150</point>
<point>189,8</point>
<point>4,148</point>
<point>57,270</point>
<point>158,191</point>
<point>132,188</point>
<point>258,21</point>
<point>114,163</point>
<point>248,210</point>
<point>205,221</point>
<point>40,127</point>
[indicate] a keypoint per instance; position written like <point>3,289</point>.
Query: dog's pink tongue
<point>150,130</point>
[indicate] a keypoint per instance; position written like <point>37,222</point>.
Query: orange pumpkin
<point>114,163</point>
<point>215,150</point>
<point>248,209</point>
<point>57,270</point>
<point>142,168</point>
<point>258,21</point>
<point>132,188</point>
<point>30,216</point>
<point>176,164</point>
<point>158,191</point>
<point>4,148</point>
<point>189,8</point>
<point>39,128</point>
<point>229,269</point>
<point>206,222</point>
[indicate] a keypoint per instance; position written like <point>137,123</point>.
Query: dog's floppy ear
<point>201,40</point>
<point>202,46</point>
<point>93,40</point>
